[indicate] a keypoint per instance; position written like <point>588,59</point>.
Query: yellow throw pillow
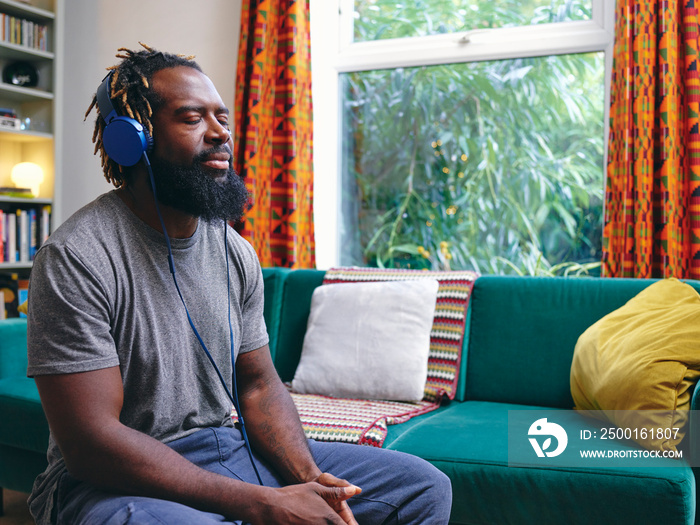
<point>644,356</point>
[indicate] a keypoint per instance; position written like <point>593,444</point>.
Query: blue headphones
<point>124,139</point>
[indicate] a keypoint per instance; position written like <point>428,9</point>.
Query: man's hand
<point>321,501</point>
<point>340,505</point>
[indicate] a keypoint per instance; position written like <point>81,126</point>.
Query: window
<point>466,134</point>
<point>384,19</point>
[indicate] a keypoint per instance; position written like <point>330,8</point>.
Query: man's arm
<point>273,425</point>
<point>83,413</point>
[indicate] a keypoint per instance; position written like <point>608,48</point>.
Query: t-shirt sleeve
<point>68,325</point>
<point>252,302</point>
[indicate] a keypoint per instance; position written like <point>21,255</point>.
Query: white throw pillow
<point>368,340</point>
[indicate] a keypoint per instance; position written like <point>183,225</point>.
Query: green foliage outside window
<point>382,19</point>
<point>492,166</point>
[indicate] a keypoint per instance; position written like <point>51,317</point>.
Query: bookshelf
<point>36,39</point>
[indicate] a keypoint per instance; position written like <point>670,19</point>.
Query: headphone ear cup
<point>125,141</point>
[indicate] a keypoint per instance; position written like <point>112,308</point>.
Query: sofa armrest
<point>13,348</point>
<point>298,289</point>
<point>695,399</point>
<point>274,286</point>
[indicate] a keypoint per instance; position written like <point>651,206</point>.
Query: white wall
<point>94,30</point>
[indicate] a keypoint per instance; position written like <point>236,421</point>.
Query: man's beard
<point>193,190</point>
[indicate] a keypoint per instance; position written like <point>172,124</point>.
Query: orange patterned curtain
<point>273,133</point>
<point>652,209</point>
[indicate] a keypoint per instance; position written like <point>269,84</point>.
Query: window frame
<point>333,53</point>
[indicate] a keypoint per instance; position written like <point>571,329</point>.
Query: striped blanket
<point>365,422</point>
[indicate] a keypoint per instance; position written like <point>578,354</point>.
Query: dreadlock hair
<point>132,96</point>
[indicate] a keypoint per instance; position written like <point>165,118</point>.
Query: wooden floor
<point>16,511</point>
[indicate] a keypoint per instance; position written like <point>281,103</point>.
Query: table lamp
<point>28,175</point>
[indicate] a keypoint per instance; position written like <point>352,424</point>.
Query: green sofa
<point>520,337</point>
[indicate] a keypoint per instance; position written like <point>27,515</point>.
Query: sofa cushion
<point>24,424</point>
<point>394,432</point>
<point>368,340</point>
<point>637,365</point>
<point>469,442</point>
<point>533,323</point>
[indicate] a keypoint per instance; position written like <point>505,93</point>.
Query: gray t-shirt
<point>101,295</point>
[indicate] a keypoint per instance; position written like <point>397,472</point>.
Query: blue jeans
<point>396,487</point>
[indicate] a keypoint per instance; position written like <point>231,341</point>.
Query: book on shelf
<point>45,228</point>
<point>32,230</point>
<point>9,119</point>
<point>11,245</point>
<point>10,123</point>
<point>24,193</point>
<point>23,235</point>
<point>23,32</point>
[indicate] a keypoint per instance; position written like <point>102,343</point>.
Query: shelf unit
<point>37,108</point>
<point>39,111</point>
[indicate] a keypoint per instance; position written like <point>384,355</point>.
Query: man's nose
<point>218,133</point>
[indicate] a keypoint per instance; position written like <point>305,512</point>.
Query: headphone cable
<point>233,397</point>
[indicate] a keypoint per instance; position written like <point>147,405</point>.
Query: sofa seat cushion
<point>23,423</point>
<point>394,432</point>
<point>469,442</point>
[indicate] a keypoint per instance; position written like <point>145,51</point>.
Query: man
<point>140,425</point>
